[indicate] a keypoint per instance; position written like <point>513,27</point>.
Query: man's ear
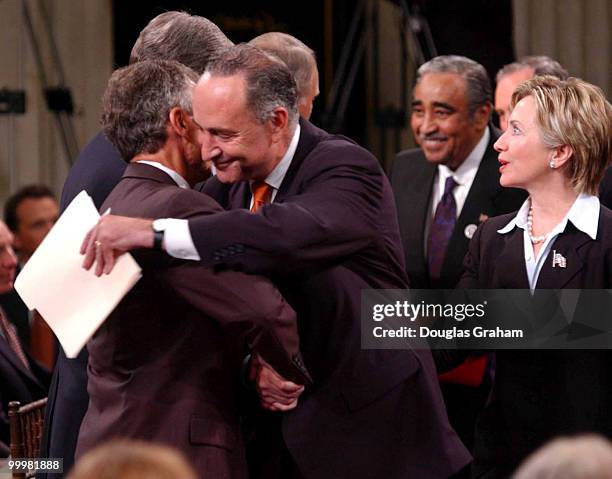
<point>482,116</point>
<point>278,122</point>
<point>561,155</point>
<point>178,121</point>
<point>16,241</point>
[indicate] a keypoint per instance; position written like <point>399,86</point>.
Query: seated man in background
<point>30,214</point>
<point>21,378</point>
<point>301,61</point>
<point>165,365</point>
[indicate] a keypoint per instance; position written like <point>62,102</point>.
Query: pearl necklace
<point>534,239</point>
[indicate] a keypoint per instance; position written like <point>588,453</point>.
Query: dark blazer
<point>97,170</point>
<point>18,384</point>
<point>412,177</point>
<point>332,232</point>
<point>540,394</point>
<point>165,365</point>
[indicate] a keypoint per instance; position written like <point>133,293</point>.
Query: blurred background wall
<point>369,48</point>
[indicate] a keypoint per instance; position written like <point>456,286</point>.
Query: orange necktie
<point>262,193</point>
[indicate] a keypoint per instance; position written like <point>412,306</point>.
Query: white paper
<point>74,302</point>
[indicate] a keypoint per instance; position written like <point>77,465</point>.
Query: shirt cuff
<point>177,240</point>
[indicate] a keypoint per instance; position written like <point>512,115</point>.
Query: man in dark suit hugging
<point>165,365</point>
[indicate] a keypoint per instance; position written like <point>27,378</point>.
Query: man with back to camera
<point>443,190</point>
<point>325,229</point>
<point>178,333</point>
<point>191,40</point>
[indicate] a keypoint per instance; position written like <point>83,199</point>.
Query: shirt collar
<point>467,170</point>
<point>277,175</point>
<point>584,215</point>
<point>178,179</point>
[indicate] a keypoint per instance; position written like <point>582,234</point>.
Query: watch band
<point>158,238</point>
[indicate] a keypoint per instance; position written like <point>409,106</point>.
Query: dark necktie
<point>262,194</point>
<point>10,335</point>
<point>441,229</point>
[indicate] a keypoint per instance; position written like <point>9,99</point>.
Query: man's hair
<point>129,459</point>
<point>299,58</point>
<point>137,103</point>
<point>575,113</point>
<point>11,205</point>
<point>269,84</point>
<point>188,39</point>
<point>541,65</point>
<point>478,86</point>
<point>582,457</point>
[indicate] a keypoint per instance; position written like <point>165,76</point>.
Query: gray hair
<point>137,103</point>
<point>541,65</point>
<point>478,85</point>
<point>269,84</point>
<point>188,39</point>
<point>299,58</point>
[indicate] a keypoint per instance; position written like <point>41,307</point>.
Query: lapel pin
<point>482,218</point>
<point>558,260</point>
<point>470,230</point>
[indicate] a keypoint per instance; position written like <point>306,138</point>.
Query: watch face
<point>158,225</point>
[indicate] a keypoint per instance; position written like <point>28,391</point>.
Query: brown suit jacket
<point>165,365</point>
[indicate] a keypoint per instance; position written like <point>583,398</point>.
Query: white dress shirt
<point>584,215</point>
<point>174,228</point>
<point>177,237</point>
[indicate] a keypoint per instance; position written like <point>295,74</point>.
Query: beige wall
<point>30,146</point>
<point>574,32</point>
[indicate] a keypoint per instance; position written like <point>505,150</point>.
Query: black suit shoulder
<point>97,170</point>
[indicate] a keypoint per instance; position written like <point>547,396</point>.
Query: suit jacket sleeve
<point>251,302</point>
<point>333,215</point>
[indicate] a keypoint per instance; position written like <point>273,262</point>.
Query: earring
<point>552,164</point>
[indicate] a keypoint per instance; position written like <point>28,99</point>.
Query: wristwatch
<point>158,227</point>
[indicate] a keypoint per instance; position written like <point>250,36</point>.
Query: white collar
<point>584,215</point>
<point>277,175</point>
<point>178,179</point>
<point>467,170</point>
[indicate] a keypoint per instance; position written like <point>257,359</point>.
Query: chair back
<point>26,423</point>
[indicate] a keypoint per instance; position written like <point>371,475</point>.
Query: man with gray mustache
<point>443,190</point>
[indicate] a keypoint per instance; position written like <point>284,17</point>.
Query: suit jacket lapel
<point>511,262</point>
<point>567,244</point>
<point>484,189</point>
<point>416,196</point>
<point>310,136</point>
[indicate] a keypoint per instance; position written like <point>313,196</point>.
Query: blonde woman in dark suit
<point>557,147</point>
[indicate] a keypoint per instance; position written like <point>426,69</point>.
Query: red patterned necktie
<point>262,194</point>
<point>10,335</point>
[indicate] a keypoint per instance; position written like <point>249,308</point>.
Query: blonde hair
<point>127,459</point>
<point>575,113</point>
<point>581,457</point>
